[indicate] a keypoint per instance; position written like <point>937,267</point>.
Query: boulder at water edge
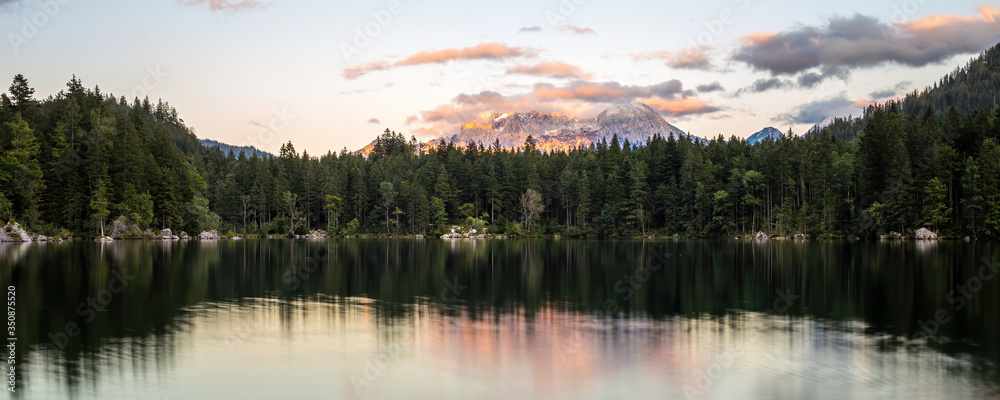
<point>925,234</point>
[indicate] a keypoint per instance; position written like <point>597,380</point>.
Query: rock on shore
<point>210,235</point>
<point>14,233</point>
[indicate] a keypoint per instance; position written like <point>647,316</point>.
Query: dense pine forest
<point>72,163</point>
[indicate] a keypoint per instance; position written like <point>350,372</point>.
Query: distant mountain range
<point>249,151</point>
<point>553,132</point>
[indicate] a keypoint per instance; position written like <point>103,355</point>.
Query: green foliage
<point>5,207</point>
<point>81,158</point>
<point>936,210</point>
<point>439,215</point>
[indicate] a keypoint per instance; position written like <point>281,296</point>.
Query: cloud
<point>552,69</point>
<point>530,29</point>
<point>482,51</point>
<point>226,4</point>
<point>695,57</point>
<point>676,107</point>
<point>860,41</point>
<point>608,92</point>
<point>816,111</point>
<point>577,30</point>
<point>766,84</point>
<point>890,92</point>
<point>374,121</point>
<point>710,87</point>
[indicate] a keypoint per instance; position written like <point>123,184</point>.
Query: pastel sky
<point>268,71</point>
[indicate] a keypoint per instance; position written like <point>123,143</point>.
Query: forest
<point>72,163</point>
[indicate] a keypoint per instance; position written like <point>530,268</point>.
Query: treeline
<point>967,89</point>
<point>75,161</point>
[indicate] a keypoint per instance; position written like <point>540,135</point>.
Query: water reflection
<point>499,319</point>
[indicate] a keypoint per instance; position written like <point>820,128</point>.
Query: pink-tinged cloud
<point>675,107</point>
<point>226,4</point>
<point>374,121</point>
<point>696,58</point>
<point>578,30</point>
<point>551,69</point>
<point>357,72</point>
<point>859,41</point>
<point>482,51</point>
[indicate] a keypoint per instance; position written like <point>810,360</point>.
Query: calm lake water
<point>525,319</point>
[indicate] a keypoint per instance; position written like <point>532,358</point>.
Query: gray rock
<point>210,235</point>
<point>761,236</point>
<point>925,234</point>
<point>14,233</point>
<point>316,234</point>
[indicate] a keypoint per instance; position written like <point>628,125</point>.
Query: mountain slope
<point>967,89</point>
<point>249,151</point>
<point>764,134</point>
<point>636,123</point>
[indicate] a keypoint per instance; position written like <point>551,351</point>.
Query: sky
<point>333,75</point>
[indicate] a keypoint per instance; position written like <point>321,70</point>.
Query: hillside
<point>967,89</point>
<point>249,151</point>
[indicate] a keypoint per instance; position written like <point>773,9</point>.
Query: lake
<point>500,319</point>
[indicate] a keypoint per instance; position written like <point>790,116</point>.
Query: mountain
<point>249,151</point>
<point>765,134</point>
<point>553,132</point>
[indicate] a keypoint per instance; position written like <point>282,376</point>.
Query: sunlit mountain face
<point>635,123</point>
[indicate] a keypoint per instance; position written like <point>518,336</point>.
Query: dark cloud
<point>861,41</point>
<point>710,87</point>
<point>890,92</point>
<point>374,121</point>
<point>810,79</point>
<point>766,84</point>
<point>530,29</point>
<point>816,111</point>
